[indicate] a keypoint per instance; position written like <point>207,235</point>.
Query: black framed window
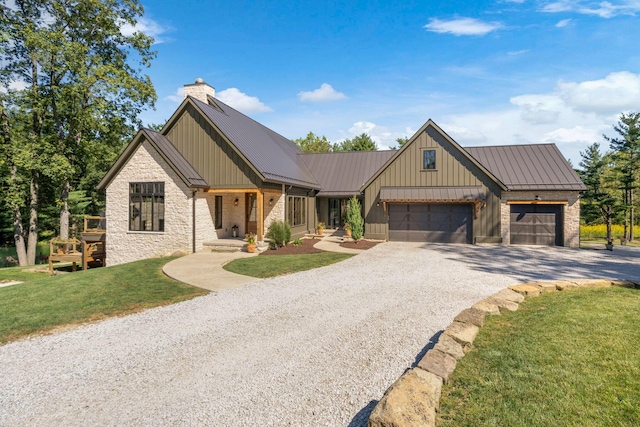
<point>218,212</point>
<point>429,159</point>
<point>296,210</point>
<point>146,206</point>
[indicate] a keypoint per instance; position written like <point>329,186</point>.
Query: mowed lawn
<point>566,358</point>
<point>43,303</point>
<point>271,266</point>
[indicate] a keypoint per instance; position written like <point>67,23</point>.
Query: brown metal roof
<point>273,155</point>
<point>166,149</point>
<point>342,174</point>
<point>431,194</point>
<point>528,167</point>
<point>171,153</point>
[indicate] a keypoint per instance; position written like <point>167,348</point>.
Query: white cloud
<point>242,102</point>
<point>616,92</point>
<point>324,93</point>
<point>178,96</point>
<point>563,23</point>
<point>15,85</point>
<point>462,27</point>
<point>147,26</point>
<point>603,9</point>
<point>381,135</point>
<point>572,115</point>
<point>517,52</point>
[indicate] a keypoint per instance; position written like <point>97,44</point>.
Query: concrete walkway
<point>204,270</point>
<point>331,243</point>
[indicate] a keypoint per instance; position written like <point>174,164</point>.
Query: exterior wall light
<point>235,202</point>
<point>271,201</point>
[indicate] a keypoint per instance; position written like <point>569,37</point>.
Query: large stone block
<point>411,401</point>
<point>487,307</point>
<point>509,295</point>
<point>464,333</point>
<point>527,289</point>
<point>563,285</point>
<point>503,303</point>
<point>592,283</point>
<point>472,315</point>
<point>438,363</point>
<point>447,344</point>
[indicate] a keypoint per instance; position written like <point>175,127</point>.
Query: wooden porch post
<point>260,214</point>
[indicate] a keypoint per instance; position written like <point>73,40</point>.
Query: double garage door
<point>536,225</point>
<point>430,222</point>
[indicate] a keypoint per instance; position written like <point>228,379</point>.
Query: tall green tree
<point>354,218</point>
<point>626,154</point>
<point>313,143</point>
<point>362,142</point>
<point>597,175</point>
<point>82,95</point>
<point>401,141</point>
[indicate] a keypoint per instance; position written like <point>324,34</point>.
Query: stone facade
<point>199,90</point>
<point>146,165</point>
<point>205,216</point>
<point>274,212</point>
<point>570,213</point>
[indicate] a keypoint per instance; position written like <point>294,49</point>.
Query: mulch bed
<point>362,244</point>
<point>305,248</point>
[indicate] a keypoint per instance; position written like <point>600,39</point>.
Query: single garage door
<point>431,222</point>
<point>536,225</point>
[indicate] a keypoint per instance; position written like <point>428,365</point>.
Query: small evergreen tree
<point>354,218</point>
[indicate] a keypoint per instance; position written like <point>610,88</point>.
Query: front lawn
<point>566,358</point>
<point>43,303</point>
<point>270,266</point>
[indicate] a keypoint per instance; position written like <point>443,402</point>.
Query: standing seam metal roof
<point>273,155</point>
<point>343,173</point>
<point>528,167</point>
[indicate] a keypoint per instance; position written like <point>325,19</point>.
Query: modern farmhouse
<point>213,173</point>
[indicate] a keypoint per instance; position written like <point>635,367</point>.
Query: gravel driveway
<point>313,348</point>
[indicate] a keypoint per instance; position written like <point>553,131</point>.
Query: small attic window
<point>429,159</point>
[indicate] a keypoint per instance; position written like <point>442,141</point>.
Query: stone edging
<point>414,398</point>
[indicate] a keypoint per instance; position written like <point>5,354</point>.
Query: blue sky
<point>489,73</point>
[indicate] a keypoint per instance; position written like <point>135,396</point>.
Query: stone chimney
<point>199,90</point>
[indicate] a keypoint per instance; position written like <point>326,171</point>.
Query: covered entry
<point>431,214</point>
<point>536,224</point>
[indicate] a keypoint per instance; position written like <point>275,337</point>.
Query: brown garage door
<point>536,225</point>
<point>430,222</point>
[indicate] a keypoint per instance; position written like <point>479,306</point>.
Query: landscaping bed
<point>361,244</point>
<point>305,248</point>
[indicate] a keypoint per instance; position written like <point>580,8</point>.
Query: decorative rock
<point>447,344</point>
<point>472,315</point>
<point>464,333</point>
<point>503,303</point>
<point>547,286</point>
<point>527,289</point>
<point>438,363</point>
<point>591,283</point>
<point>509,295</point>
<point>563,285</point>
<point>487,307</point>
<point>410,401</point>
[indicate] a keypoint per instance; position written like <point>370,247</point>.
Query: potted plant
<point>251,242</point>
<point>320,227</point>
<point>347,229</point>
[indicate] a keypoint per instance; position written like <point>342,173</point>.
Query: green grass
<point>277,265</point>
<point>42,249</point>
<point>563,359</point>
<point>43,303</point>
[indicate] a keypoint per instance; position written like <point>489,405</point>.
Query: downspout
<point>193,225</point>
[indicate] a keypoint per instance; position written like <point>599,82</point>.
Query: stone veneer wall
<point>571,213</point>
<point>205,216</point>
<point>275,212</point>
<point>146,165</point>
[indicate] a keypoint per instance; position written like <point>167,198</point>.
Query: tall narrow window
<point>429,159</point>
<point>218,212</point>
<point>296,212</point>
<point>146,206</point>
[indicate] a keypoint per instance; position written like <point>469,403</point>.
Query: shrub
<point>354,218</point>
<point>279,232</point>
<point>297,242</point>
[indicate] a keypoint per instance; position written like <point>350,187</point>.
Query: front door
<point>252,222</point>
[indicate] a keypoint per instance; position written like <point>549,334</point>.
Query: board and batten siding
<point>209,153</point>
<point>453,169</point>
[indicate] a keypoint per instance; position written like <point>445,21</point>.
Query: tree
<point>362,142</point>
<point>596,174</point>
<point>313,143</point>
<point>81,100</point>
<point>354,218</point>
<point>626,154</point>
<point>401,141</point>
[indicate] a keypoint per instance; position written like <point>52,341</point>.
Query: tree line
<point>612,178</point>
<point>313,143</point>
<point>71,90</point>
